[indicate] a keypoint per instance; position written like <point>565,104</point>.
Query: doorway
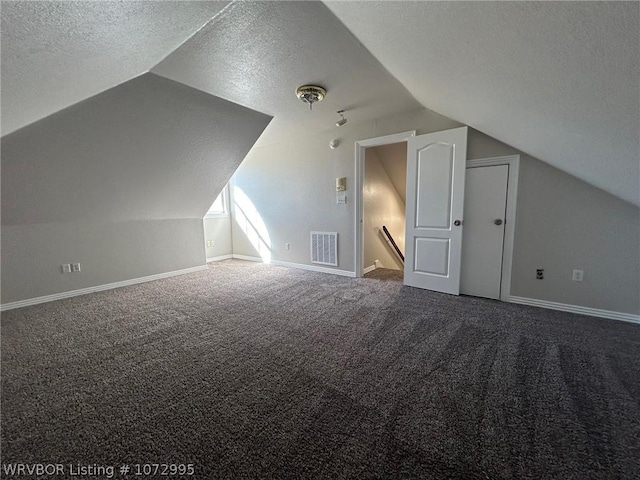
<point>489,225</point>
<point>384,199</point>
<point>361,147</point>
<point>470,267</point>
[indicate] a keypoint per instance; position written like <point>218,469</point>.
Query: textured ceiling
<point>557,80</point>
<point>57,53</point>
<point>149,149</point>
<point>257,53</point>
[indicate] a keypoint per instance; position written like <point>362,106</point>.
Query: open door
<point>436,165</point>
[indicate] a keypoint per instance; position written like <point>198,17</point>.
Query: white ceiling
<point>149,149</point>
<point>57,53</point>
<point>257,53</point>
<point>557,80</point>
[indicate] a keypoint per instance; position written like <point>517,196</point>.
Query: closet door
<point>485,213</point>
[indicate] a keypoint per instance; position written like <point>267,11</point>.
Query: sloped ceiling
<point>257,53</point>
<point>393,159</point>
<point>557,80</point>
<point>148,149</point>
<point>57,53</point>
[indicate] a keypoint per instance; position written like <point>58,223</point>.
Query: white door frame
<point>513,161</point>
<point>361,145</point>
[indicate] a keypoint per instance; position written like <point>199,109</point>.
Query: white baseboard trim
<point>97,288</point>
<point>369,269</point>
<point>594,312</point>
<point>313,268</point>
<point>247,257</point>
<point>219,258</point>
<point>301,266</point>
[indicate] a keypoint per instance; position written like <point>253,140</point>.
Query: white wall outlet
<point>577,275</point>
<point>75,267</point>
<point>66,268</point>
<point>341,199</point>
<point>287,246</point>
<point>211,243</point>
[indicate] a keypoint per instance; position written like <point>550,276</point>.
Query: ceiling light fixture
<point>341,122</point>
<point>311,94</point>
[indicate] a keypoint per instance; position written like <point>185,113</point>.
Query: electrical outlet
<point>66,268</point>
<point>577,275</point>
<point>211,243</point>
<point>75,267</point>
<point>540,274</point>
<point>287,246</point>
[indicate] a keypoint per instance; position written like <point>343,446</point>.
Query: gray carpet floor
<point>252,371</point>
<point>386,274</point>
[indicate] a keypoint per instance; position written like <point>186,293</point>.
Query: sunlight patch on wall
<point>249,220</point>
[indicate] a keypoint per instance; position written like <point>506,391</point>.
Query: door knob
<point>498,221</point>
<point>457,223</point>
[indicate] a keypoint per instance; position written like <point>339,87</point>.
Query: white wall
<point>119,182</point>
<point>218,230</point>
<point>382,206</point>
<point>565,224</point>
<point>393,158</point>
<point>108,252</point>
<point>292,184</point>
<point>562,222</point>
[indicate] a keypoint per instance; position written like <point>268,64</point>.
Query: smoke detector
<point>311,94</point>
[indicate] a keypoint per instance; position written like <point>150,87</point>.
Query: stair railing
<point>391,242</point>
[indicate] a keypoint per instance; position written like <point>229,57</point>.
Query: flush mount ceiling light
<point>341,122</point>
<point>311,94</point>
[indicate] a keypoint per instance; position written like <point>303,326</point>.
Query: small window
<point>219,208</point>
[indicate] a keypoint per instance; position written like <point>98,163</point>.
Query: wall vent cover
<point>324,248</point>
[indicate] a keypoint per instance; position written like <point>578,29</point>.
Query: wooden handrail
<point>392,242</point>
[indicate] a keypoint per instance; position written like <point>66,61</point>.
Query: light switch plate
<point>341,199</point>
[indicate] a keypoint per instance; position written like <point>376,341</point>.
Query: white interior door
<point>435,200</point>
<point>485,204</point>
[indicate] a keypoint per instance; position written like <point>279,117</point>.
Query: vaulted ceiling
<point>557,80</point>
<point>55,54</point>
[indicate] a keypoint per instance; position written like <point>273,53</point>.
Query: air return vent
<point>324,248</point>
